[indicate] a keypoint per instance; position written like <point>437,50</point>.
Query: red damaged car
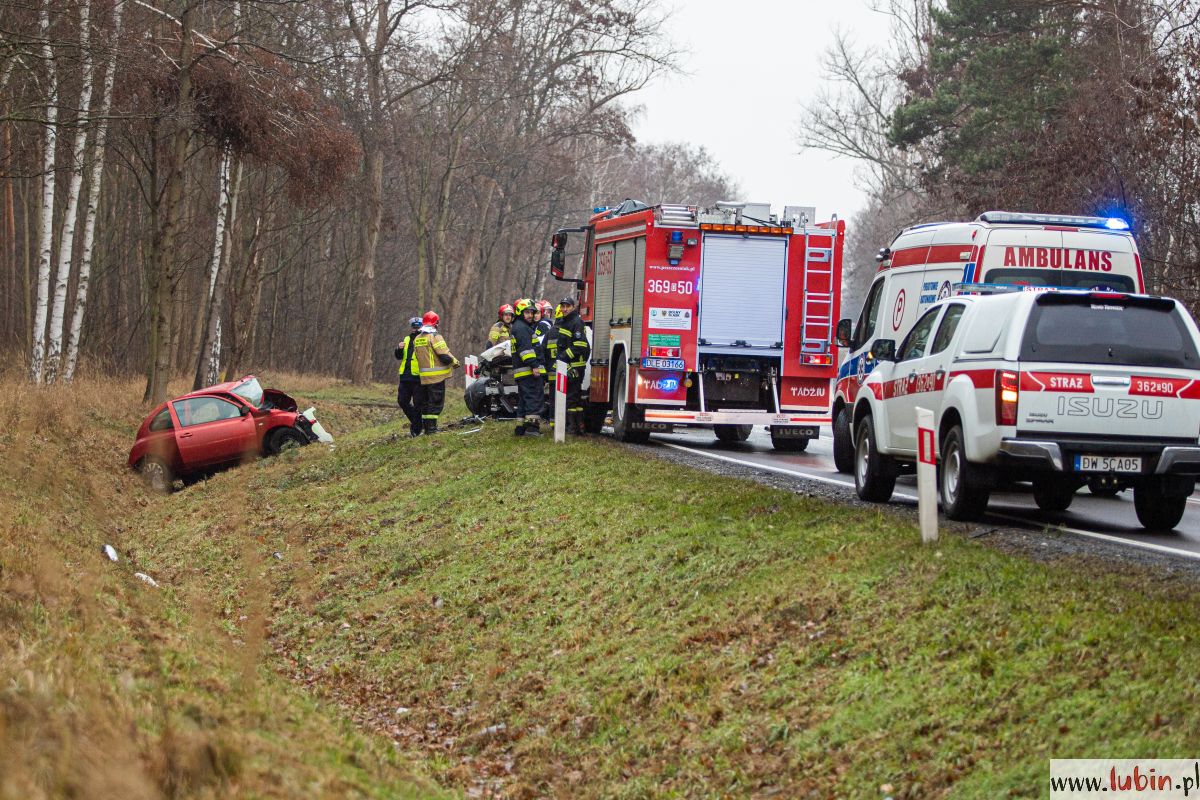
<point>217,427</point>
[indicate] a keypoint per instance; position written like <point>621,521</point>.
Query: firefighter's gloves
<point>573,373</point>
<point>455,365</point>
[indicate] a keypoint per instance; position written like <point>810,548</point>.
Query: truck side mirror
<point>558,243</point>
<point>883,350</point>
<point>843,332</point>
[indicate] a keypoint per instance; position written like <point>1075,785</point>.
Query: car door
<point>909,383</point>
<point>211,431</point>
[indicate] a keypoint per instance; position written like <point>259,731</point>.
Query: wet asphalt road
<point>1098,519</point>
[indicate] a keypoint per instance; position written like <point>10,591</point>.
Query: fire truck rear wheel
<point>731,434</point>
<point>625,414</point>
<point>843,442</point>
<point>788,444</point>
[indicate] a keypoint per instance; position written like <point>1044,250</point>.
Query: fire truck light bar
<point>1016,218</point>
<point>711,226</point>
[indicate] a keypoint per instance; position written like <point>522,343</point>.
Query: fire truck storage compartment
<point>602,302</point>
<point>623,270</point>
<point>741,291</point>
<point>639,297</point>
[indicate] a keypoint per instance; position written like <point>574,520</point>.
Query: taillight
<point>1007,392</point>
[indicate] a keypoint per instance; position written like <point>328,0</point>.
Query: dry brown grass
<point>109,688</point>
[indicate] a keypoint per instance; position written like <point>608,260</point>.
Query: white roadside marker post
<point>560,400</point>
<point>926,476</point>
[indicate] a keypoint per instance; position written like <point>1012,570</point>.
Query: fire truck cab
<point>718,317</point>
<point>999,249</point>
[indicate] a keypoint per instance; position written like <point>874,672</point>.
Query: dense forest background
<point>218,186</point>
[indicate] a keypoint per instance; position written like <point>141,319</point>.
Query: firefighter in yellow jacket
<point>435,362</point>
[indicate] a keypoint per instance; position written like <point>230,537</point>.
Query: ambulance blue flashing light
<point>1116,224</point>
<point>1019,218</point>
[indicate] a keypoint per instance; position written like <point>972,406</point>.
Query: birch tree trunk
<point>209,350</point>
<point>93,202</point>
<point>66,241</point>
<point>46,237</point>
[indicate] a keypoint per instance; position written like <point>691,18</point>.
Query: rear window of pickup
<point>1114,330</point>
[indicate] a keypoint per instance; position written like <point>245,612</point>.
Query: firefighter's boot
<point>533,427</point>
<point>519,430</point>
<point>431,426</point>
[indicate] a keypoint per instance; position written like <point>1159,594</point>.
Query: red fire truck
<point>720,317</point>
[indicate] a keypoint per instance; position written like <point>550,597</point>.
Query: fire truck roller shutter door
<point>742,289</point>
<point>639,295</point>
<point>623,274</point>
<point>603,300</point>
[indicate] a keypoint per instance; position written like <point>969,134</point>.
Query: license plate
<point>1108,463</point>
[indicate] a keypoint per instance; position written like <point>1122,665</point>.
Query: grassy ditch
<point>110,688</point>
<point>579,621</point>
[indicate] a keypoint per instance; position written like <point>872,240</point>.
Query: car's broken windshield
<point>250,391</point>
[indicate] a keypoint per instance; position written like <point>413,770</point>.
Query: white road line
<point>1104,537</point>
<point>780,470</point>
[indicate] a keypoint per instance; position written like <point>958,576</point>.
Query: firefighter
<point>547,335</point>
<point>527,369</point>
<point>503,327</point>
<point>435,362</point>
<point>574,350</point>
<point>410,378</point>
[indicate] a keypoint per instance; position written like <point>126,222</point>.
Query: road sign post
<point>560,400</point>
<point>926,476</point>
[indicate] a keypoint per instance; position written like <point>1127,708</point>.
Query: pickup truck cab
<point>1053,387</point>
<point>926,263</point>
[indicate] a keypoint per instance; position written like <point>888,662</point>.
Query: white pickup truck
<point>1053,387</point>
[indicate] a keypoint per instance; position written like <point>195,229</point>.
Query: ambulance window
<point>870,312</point>
<point>1067,279</point>
<point>947,329</point>
<point>918,337</point>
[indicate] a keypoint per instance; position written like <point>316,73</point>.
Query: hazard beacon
<point>720,317</point>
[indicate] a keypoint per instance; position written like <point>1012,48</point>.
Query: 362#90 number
<point>670,287</point>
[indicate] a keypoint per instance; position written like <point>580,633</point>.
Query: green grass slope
<point>531,619</point>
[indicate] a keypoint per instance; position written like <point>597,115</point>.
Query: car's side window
<point>946,330</point>
<point>918,337</point>
<point>199,410</point>
<point>870,312</point>
<point>161,421</point>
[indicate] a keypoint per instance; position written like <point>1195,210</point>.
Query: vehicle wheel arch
<point>617,354</point>
<point>950,417</point>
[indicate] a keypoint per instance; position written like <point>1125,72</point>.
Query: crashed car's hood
<point>274,398</point>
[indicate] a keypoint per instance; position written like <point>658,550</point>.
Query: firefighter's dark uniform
<point>410,383</point>
<point>527,368</point>
<point>573,349</point>
<point>547,336</point>
<point>435,362</point>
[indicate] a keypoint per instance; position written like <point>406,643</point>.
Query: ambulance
<point>928,263</point>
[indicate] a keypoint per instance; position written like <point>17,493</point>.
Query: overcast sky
<point>749,68</point>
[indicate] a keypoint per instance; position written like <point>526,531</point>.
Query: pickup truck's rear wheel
<point>625,414</point>
<point>843,442</point>
<point>1156,510</point>
<point>874,473</point>
<point>731,434</point>
<point>1053,494</point>
<point>964,493</point>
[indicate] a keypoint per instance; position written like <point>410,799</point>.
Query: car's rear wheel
<point>282,439</point>
<point>1053,494</point>
<point>732,434</point>
<point>157,474</point>
<point>1156,510</point>
<point>843,442</point>
<point>874,473</point>
<point>964,494</point>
